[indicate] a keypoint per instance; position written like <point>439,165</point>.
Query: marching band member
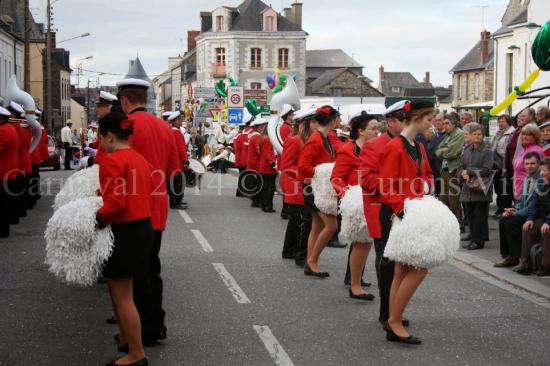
<point>405,174</point>
<point>254,185</point>
<point>153,139</point>
<point>176,184</point>
<point>378,217</point>
<point>127,190</point>
<point>299,223</point>
<point>240,151</point>
<point>286,130</point>
<point>166,115</point>
<point>8,171</point>
<point>318,150</point>
<point>103,107</point>
<point>345,174</point>
<point>37,156</point>
<point>268,172</point>
<point>24,162</point>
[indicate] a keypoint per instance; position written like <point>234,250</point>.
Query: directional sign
<point>235,116</point>
<point>235,95</point>
<point>204,93</point>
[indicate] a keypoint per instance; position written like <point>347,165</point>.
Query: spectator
<point>545,134</point>
<point>197,143</point>
<point>537,227</point>
<point>515,144</point>
<point>511,223</point>
<point>67,140</point>
<point>466,118</point>
<point>476,164</point>
<point>437,136</point>
<point>219,134</point>
<point>542,115</point>
<point>76,138</point>
<point>92,133</point>
<point>502,181</point>
<point>531,139</point>
<point>449,152</point>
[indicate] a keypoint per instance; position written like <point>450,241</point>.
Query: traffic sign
<point>235,95</point>
<point>204,93</point>
<point>265,110</point>
<point>235,116</point>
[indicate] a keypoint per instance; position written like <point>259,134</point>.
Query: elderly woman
<point>475,170</point>
<point>503,179</point>
<point>531,139</point>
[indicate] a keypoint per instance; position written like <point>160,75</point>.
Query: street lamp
<point>362,80</point>
<point>70,39</point>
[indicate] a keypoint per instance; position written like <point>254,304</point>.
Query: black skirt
<point>132,250</point>
<point>309,198</point>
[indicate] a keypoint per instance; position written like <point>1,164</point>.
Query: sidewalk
<point>483,260</point>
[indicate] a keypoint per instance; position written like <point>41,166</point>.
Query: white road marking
<point>202,241</point>
<point>231,284</point>
<point>276,351</point>
<point>185,216</point>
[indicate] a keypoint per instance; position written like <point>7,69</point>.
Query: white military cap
<point>166,114</point>
<point>247,117</point>
<point>304,113</point>
<point>16,107</point>
<point>38,112</point>
<point>133,83</point>
<point>259,121</point>
<point>174,115</point>
<point>106,98</point>
<point>287,108</point>
<point>402,105</point>
<point>4,112</point>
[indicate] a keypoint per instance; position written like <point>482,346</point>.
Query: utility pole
<point>27,30</point>
<point>49,122</point>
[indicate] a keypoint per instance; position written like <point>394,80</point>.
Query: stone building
<point>250,41</point>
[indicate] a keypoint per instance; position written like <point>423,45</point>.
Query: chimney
<point>427,77</point>
<point>287,12</point>
<point>296,13</point>
<point>381,73</point>
<point>192,40</point>
<point>484,46</point>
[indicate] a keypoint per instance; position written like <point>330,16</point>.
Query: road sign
<point>265,110</point>
<point>235,95</point>
<point>259,95</point>
<point>209,93</point>
<point>235,116</point>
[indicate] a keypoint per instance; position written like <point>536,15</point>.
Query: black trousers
<point>240,183</point>
<point>34,186</point>
<point>268,191</point>
<point>253,185</point>
<point>510,231</point>
<point>478,221</point>
<point>384,266</point>
<point>297,231</point>
<point>20,196</point>
<point>175,187</point>
<point>504,191</point>
<point>68,155</point>
<point>148,296</point>
<point>7,206</point>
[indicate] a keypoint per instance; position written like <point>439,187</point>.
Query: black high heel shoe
<point>309,272</point>
<point>366,297</point>
<point>142,362</point>
<point>392,337</point>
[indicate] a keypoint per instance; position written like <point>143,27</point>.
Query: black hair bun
<point>117,123</point>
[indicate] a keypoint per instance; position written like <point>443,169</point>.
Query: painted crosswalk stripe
<point>185,216</point>
<point>231,284</point>
<point>276,351</point>
<point>202,241</point>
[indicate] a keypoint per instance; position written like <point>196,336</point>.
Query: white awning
<point>479,105</point>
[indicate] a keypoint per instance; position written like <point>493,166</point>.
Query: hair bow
<point>325,110</point>
<point>126,123</point>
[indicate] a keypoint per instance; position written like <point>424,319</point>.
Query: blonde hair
<point>532,130</point>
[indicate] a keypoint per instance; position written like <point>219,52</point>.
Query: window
<point>219,23</point>
<point>283,58</point>
<point>458,91</point>
<point>337,92</point>
<point>269,24</point>
<point>395,89</point>
<point>255,86</point>
<point>220,56</point>
<point>256,58</point>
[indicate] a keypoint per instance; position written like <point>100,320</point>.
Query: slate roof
<point>330,58</point>
<point>502,30</point>
<point>326,78</point>
<point>521,18</point>
<point>407,84</point>
<point>472,60</point>
<point>136,71</point>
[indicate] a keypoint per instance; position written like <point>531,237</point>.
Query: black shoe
<point>543,272</point>
<point>142,362</point>
<point>111,320</point>
<point>14,221</point>
<point>268,210</point>
<point>163,333</point>
<point>347,282</point>
<point>309,272</point>
<point>285,216</point>
<point>288,256</point>
<point>336,244</point>
<point>474,246</point>
<point>392,337</point>
<point>385,325</point>
<point>366,297</point>
<point>254,204</point>
<point>179,206</point>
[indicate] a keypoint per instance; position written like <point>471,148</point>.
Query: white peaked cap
<point>260,121</point>
<point>4,112</point>
<point>304,113</point>
<point>247,117</point>
<point>17,107</point>
<point>108,97</point>
<point>174,115</point>
<point>128,83</point>
<point>396,107</point>
<point>287,108</point>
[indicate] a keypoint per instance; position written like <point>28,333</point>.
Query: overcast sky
<point>403,35</point>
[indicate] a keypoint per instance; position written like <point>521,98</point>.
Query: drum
<point>197,166</point>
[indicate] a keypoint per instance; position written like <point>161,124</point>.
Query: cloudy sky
<point>403,35</point>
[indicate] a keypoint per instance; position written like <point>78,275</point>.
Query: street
<point>231,300</point>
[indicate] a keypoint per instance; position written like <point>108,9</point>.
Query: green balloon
<point>541,48</point>
<point>221,89</point>
<point>252,106</point>
<point>233,82</point>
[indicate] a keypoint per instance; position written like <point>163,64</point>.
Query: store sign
<point>258,94</point>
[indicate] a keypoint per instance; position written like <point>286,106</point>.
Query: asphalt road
<point>231,300</point>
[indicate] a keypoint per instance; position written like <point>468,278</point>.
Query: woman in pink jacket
<point>531,139</point>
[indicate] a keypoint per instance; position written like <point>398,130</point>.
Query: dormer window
<point>270,23</point>
<point>219,23</point>
<point>269,20</point>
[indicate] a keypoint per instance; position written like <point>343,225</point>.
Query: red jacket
<point>335,140</point>
<point>346,168</point>
<point>254,153</point>
<point>292,187</point>
<point>244,149</point>
<point>23,153</point>
<point>238,144</point>
<point>181,148</point>
<point>267,157</point>
<point>41,151</point>
<point>9,146</point>
<point>126,187</point>
<point>100,153</point>
<point>285,131</point>
<point>369,157</point>
<point>400,176</point>
<point>313,154</point>
<point>154,140</point>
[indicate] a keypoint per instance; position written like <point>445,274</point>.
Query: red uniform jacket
<point>100,153</point>
<point>335,141</point>
<point>9,146</point>
<point>41,151</point>
<point>253,157</point>
<point>126,187</point>
<point>285,131</point>
<point>154,140</point>
<point>238,149</point>
<point>313,154</point>
<point>246,141</point>
<point>23,153</point>
<point>346,168</point>
<point>400,176</point>
<point>292,187</point>
<point>181,148</point>
<point>267,157</point>
<point>369,168</point>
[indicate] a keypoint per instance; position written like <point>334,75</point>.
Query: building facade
<point>11,60</point>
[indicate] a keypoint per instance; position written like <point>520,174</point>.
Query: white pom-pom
<point>75,249</point>
<point>81,184</point>
<point>326,199</point>
<point>354,227</point>
<point>427,236</point>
